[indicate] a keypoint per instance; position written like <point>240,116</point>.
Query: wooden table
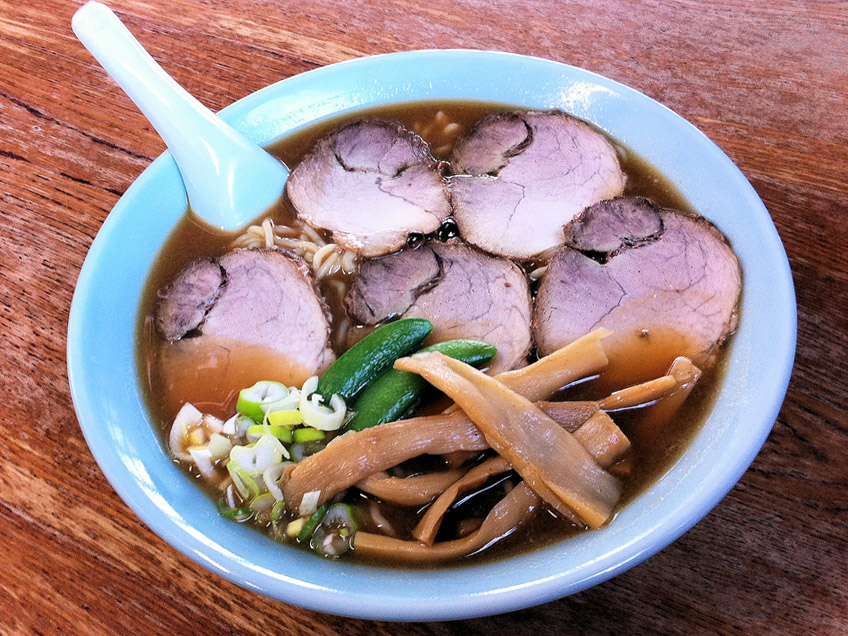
<point>766,80</point>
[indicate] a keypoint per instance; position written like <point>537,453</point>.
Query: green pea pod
<point>392,394</point>
<point>372,355</point>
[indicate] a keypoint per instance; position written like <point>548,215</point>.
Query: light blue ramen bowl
<point>105,383</point>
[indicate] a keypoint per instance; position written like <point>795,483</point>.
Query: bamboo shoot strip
<point>551,461</point>
<point>639,394</point>
<point>509,513</point>
<point>596,432</point>
<point>581,359</point>
<point>427,528</point>
<point>678,381</point>
<point>409,491</point>
<point>686,374</point>
<point>355,456</point>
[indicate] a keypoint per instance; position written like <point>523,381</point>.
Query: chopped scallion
<point>315,414</point>
<point>219,446</point>
<point>282,433</point>
<point>278,522</point>
<point>287,417</point>
<point>293,529</point>
<point>302,450</point>
<point>243,482</point>
<point>312,522</point>
<point>307,434</point>
<point>240,514</point>
<point>262,506</point>
<point>334,534</point>
<point>237,425</point>
<point>267,451</point>
<point>278,510</point>
<point>196,437</point>
<point>254,401</point>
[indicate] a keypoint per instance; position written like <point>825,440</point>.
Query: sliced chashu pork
<point>521,176</point>
<point>371,183</point>
<point>462,291</point>
<point>642,271</point>
<point>256,304</point>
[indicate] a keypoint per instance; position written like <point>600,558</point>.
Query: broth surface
<point>213,387</point>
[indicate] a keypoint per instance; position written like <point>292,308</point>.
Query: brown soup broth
<point>656,448</point>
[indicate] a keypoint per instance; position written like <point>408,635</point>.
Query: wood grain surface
<point>766,80</point>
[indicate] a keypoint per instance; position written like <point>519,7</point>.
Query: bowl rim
<point>124,454</point>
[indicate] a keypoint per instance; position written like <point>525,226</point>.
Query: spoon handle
<point>229,180</point>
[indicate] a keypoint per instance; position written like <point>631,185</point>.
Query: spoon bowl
<point>229,180</point>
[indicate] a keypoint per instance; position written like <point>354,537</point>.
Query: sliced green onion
<point>262,506</point>
<point>254,401</point>
<point>243,482</point>
<point>203,460</point>
<point>263,502</point>
<point>239,514</point>
<point>191,428</point>
<point>316,415</point>
<point>302,450</point>
<point>294,527</point>
<point>309,503</point>
<point>187,417</point>
<point>229,492</point>
<point>278,510</point>
<point>334,535</point>
<point>312,522</point>
<point>287,417</point>
<point>278,525</point>
<point>219,446</point>
<point>307,435</point>
<point>267,451</point>
<point>271,477</point>
<point>196,436</point>
<point>237,425</point>
<point>282,433</point>
<point>288,403</point>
